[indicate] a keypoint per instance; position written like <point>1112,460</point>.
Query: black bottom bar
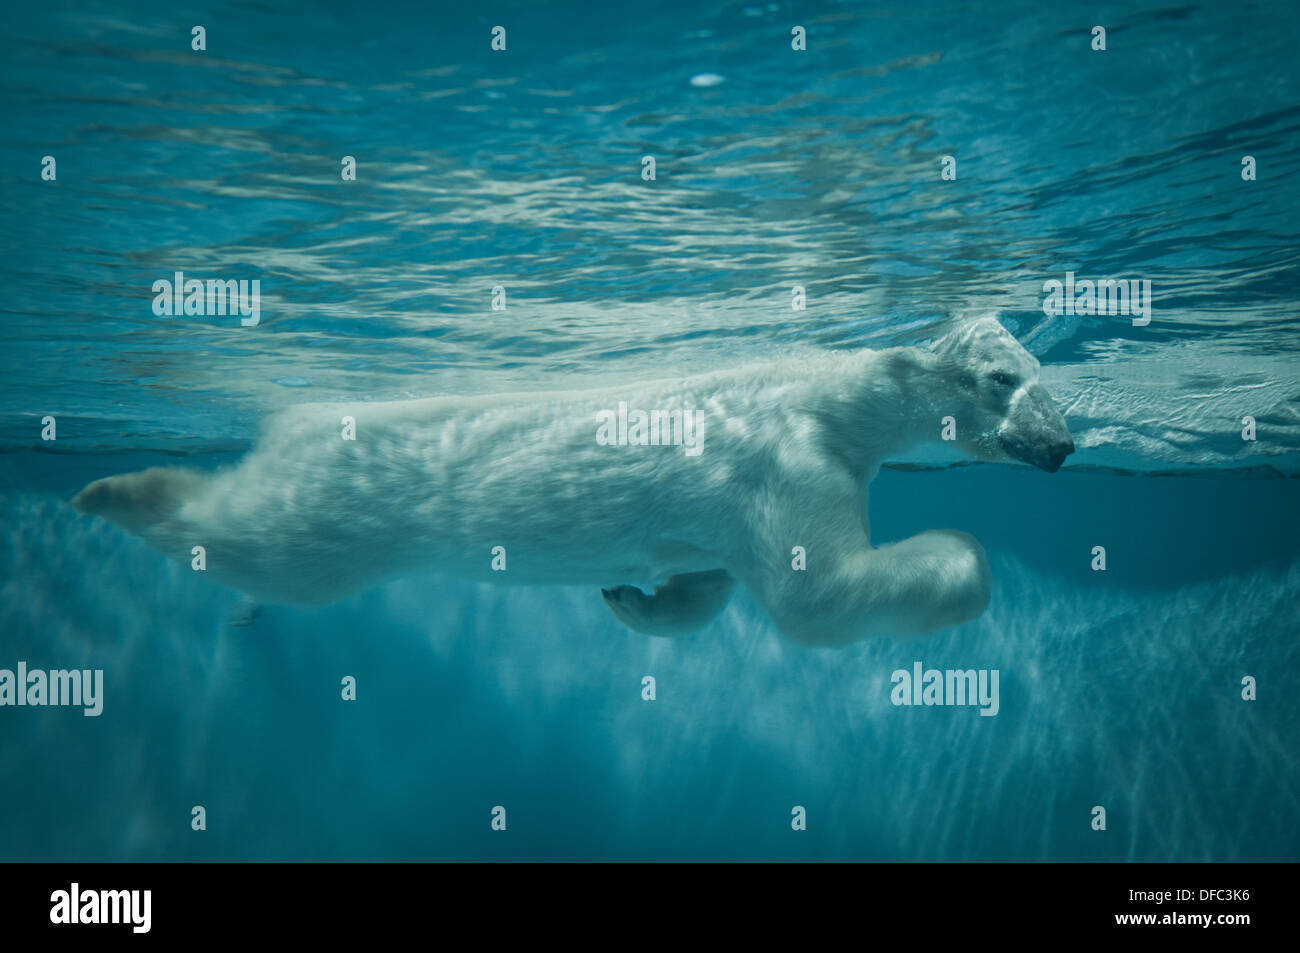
<point>337,901</point>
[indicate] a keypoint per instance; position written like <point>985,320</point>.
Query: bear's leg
<point>842,589</point>
<point>682,604</point>
<point>851,591</point>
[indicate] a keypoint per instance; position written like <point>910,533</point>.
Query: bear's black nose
<point>1057,454</point>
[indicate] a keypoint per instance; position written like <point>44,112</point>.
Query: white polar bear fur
<point>788,449</point>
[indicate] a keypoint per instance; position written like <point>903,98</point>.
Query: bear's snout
<point>1034,432</point>
<point>1056,455</point>
<point>1046,455</point>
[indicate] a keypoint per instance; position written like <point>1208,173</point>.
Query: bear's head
<point>1005,412</point>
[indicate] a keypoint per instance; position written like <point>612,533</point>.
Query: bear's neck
<point>885,403</point>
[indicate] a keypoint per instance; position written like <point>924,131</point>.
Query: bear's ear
<point>956,336</point>
<point>966,329</point>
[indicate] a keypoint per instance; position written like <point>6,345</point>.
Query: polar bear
<point>530,488</point>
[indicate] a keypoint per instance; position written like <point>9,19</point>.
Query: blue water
<point>523,169</point>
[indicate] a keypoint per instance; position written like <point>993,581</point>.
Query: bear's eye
<point>1006,380</point>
